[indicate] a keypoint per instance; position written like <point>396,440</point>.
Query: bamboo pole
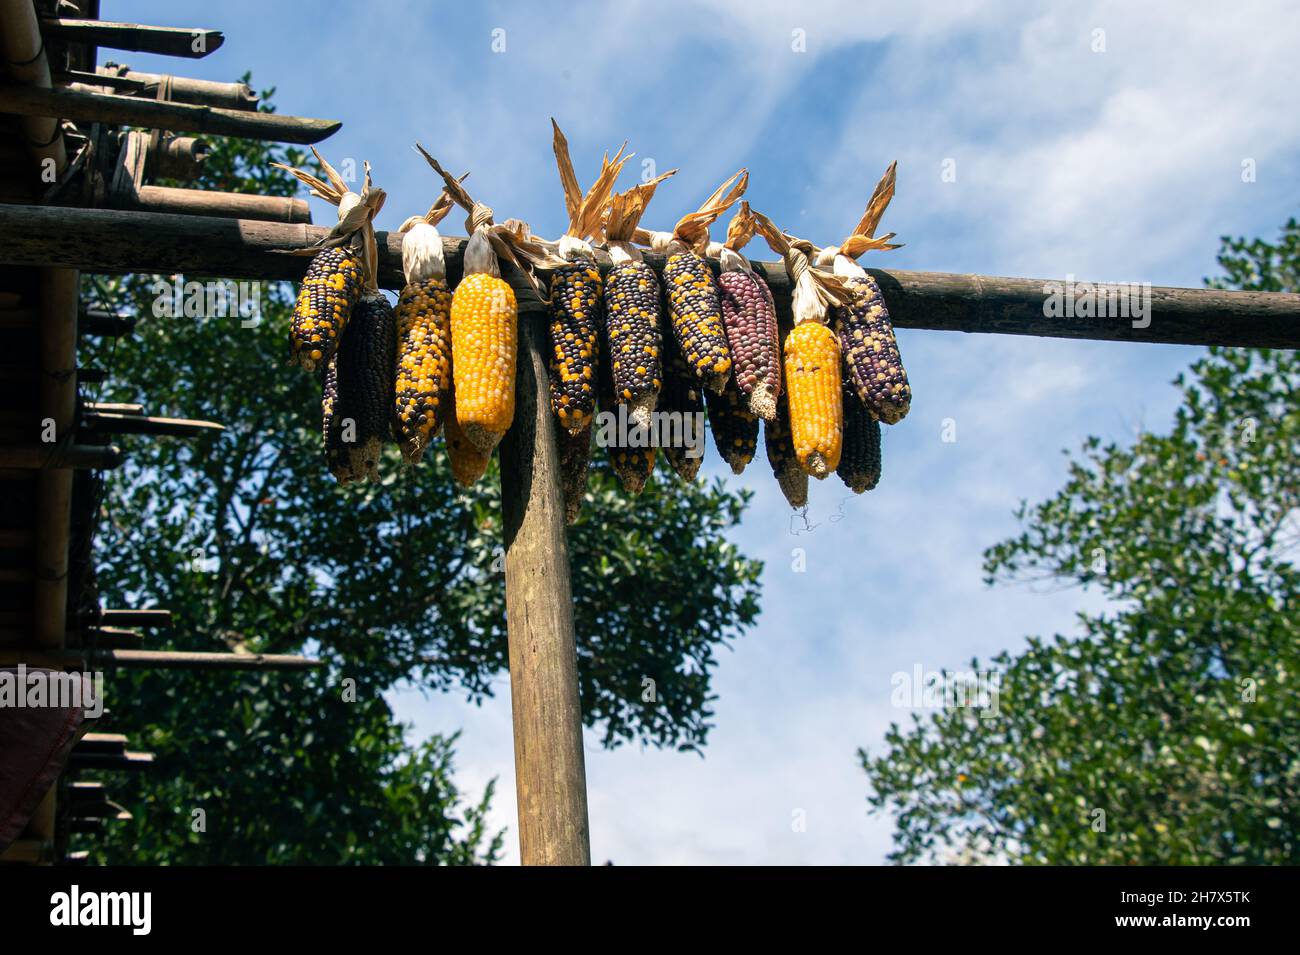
<point>182,89</point>
<point>231,205</point>
<point>191,42</point>
<point>119,241</point>
<point>550,775</point>
<point>118,110</point>
<point>26,63</point>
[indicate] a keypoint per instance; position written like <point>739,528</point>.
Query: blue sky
<point>1120,164</point>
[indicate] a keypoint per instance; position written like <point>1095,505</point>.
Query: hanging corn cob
<point>735,427</point>
<point>484,339</point>
<point>468,463</point>
<point>336,277</point>
<point>779,443</point>
<point>632,464</point>
<point>363,408</point>
<point>423,333</point>
<point>682,398</point>
<point>576,301</point>
<point>693,303</point>
<point>749,314</point>
<point>866,334</point>
<point>485,317</point>
<point>811,356</point>
<point>575,455</point>
<point>633,307</point>
<point>859,466</point>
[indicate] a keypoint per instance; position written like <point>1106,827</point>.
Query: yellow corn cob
<point>468,463</point>
<point>484,322</point>
<point>423,363</point>
<point>812,376</point>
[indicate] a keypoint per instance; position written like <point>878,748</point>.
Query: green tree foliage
<point>1165,731</point>
<point>253,545</point>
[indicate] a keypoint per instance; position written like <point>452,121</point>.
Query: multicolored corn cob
<point>681,396</point>
<point>575,455</point>
<point>632,465</point>
<point>780,455</point>
<point>812,382</point>
<point>633,338</point>
<point>330,290</point>
<point>484,325</point>
<point>734,426</point>
<point>696,312</point>
<point>362,412</point>
<point>575,310</point>
<point>871,352</point>
<point>423,363</point>
<point>749,315</point>
<point>859,466</point>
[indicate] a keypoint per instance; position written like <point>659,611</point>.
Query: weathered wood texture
<point>116,110</point>
<point>119,241</point>
<point>550,774</point>
<point>191,42</point>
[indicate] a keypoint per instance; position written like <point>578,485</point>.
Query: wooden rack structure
<point>107,218</point>
<point>61,147</point>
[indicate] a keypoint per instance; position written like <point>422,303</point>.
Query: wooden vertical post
<point>550,775</point>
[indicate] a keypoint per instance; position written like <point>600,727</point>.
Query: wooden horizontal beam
<point>156,660</point>
<point>102,743</point>
<point>43,457</point>
<point>108,638</point>
<point>104,325</point>
<point>110,407</point>
<point>193,43</point>
<point>116,110</point>
<point>118,241</point>
<point>106,423</point>
<point>127,761</point>
<point>136,618</point>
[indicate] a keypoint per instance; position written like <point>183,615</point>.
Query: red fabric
<point>34,747</point>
